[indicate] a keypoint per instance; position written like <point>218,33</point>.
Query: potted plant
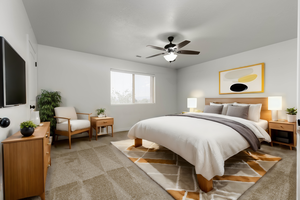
<point>100,112</point>
<point>27,128</point>
<point>47,101</point>
<point>291,114</point>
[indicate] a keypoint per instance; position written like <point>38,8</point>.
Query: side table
<point>289,128</point>
<point>98,122</point>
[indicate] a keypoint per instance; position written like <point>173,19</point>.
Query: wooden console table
<point>98,122</point>
<point>25,162</point>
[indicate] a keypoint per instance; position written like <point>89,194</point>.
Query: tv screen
<point>14,76</point>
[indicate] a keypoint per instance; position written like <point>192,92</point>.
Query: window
<point>131,88</point>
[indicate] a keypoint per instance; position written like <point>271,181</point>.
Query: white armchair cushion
<point>68,112</point>
<point>75,125</point>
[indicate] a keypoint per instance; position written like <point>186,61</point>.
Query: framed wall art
<point>248,79</point>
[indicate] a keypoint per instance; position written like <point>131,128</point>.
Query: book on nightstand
<point>282,139</point>
<point>282,136</point>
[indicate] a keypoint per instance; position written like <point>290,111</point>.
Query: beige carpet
<point>177,176</point>
<point>73,176</point>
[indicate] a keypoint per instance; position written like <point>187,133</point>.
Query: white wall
<point>202,80</point>
<point>298,106</point>
<point>84,82</point>
<point>14,27</point>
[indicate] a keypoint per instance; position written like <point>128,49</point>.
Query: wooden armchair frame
<point>69,133</point>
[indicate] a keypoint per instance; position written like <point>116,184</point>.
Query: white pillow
<point>225,106</point>
<point>254,111</point>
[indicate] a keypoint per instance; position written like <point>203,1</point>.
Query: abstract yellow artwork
<point>248,79</point>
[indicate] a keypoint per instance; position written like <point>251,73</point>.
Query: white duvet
<point>203,143</point>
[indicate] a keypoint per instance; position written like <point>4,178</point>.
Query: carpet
<point>177,176</point>
<point>94,170</point>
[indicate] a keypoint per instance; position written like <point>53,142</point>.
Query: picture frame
<point>241,80</point>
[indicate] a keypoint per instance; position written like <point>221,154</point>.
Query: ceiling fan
<point>171,50</point>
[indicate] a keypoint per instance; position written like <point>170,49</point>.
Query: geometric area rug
<point>178,177</point>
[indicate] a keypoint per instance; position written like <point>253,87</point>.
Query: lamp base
<point>274,115</point>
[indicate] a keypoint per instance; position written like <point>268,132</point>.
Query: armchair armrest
<point>69,125</point>
<point>85,114</point>
<point>63,117</point>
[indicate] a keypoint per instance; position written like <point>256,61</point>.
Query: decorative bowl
<point>27,131</point>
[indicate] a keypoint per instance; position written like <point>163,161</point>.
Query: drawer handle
<point>47,153</point>
<point>281,126</point>
<point>46,136</point>
<point>49,143</point>
<point>49,165</point>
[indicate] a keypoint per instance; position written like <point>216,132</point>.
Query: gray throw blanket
<point>242,129</point>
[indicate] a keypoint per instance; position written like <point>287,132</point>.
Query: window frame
<point>133,73</point>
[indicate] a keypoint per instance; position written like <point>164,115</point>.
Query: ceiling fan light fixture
<point>171,57</point>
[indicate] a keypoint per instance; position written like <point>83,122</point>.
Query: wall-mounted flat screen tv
<point>12,76</point>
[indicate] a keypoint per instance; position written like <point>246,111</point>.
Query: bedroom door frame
<point>31,73</point>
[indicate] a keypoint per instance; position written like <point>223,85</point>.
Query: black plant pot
<point>27,131</point>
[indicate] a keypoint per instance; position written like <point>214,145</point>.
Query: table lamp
<point>192,103</point>
<point>275,104</point>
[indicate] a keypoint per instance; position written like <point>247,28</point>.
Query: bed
<point>204,143</point>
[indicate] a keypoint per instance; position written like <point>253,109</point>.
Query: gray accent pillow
<point>238,111</point>
<point>213,109</point>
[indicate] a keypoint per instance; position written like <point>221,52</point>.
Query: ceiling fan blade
<point>189,52</point>
<point>155,47</point>
<point>182,44</point>
<point>155,55</point>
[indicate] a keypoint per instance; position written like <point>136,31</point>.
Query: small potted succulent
<point>101,112</point>
<point>291,114</point>
<point>27,128</point>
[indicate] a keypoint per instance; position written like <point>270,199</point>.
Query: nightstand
<point>284,130</point>
<point>98,122</point>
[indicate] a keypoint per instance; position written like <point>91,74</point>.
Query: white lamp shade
<point>192,102</point>
<point>274,103</point>
<point>170,57</point>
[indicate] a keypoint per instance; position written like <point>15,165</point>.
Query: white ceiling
<point>122,29</point>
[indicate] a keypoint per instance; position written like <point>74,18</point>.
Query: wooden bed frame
<point>207,185</point>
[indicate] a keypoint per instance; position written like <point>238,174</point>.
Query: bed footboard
<point>138,142</point>
<point>204,184</point>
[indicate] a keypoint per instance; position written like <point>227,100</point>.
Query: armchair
<point>68,124</point>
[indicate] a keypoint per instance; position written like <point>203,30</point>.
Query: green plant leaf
<point>291,111</point>
<point>27,124</point>
<point>47,101</point>
<point>100,111</point>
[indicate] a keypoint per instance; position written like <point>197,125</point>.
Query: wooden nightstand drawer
<point>105,122</point>
<point>279,126</point>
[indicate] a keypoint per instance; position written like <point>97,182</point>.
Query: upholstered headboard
<point>264,114</point>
